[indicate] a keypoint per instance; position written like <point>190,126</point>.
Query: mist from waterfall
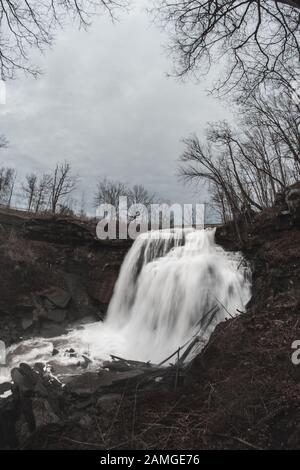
<point>173,285</point>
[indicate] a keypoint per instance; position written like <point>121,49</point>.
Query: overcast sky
<point>105,104</point>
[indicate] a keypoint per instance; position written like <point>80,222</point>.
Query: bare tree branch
<point>27,24</point>
<point>246,167</point>
<point>258,39</point>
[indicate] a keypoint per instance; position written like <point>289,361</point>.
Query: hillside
<point>241,392</point>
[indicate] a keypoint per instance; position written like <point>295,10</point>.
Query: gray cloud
<point>105,104</point>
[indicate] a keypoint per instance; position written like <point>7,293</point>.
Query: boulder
<point>26,380</point>
<point>59,297</point>
<point>43,412</point>
<point>37,397</point>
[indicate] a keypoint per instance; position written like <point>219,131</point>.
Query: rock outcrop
<point>53,271</point>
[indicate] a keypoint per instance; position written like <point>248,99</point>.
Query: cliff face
<point>53,271</point>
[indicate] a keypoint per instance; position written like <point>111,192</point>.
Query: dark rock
<point>71,353</point>
<point>51,329</point>
<point>55,352</point>
<point>85,403</point>
<point>5,387</point>
<point>27,321</point>
<point>43,412</point>
<point>25,304</point>
<point>292,199</point>
<point>57,316</point>
<point>58,297</point>
<point>37,397</point>
<point>101,289</point>
<point>9,414</point>
<point>107,403</point>
<point>84,385</point>
<point>48,305</point>
<point>25,380</point>
<point>86,421</point>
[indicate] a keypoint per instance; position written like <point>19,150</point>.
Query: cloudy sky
<point>105,104</point>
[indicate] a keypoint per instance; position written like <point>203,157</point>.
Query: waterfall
<point>169,282</point>
<point>173,285</point>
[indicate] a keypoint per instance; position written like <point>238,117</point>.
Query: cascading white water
<point>169,282</point>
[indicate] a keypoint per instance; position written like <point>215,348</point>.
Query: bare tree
<point>42,196</point>
<point>7,184</point>
<point>32,23</point>
<point>138,194</point>
<point>36,192</point>
<point>66,209</point>
<point>259,39</point>
<point>62,184</point>
<point>245,167</point>
<point>30,190</point>
<point>279,115</point>
<point>109,192</point>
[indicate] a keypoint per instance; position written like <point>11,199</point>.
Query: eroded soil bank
<point>242,391</point>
